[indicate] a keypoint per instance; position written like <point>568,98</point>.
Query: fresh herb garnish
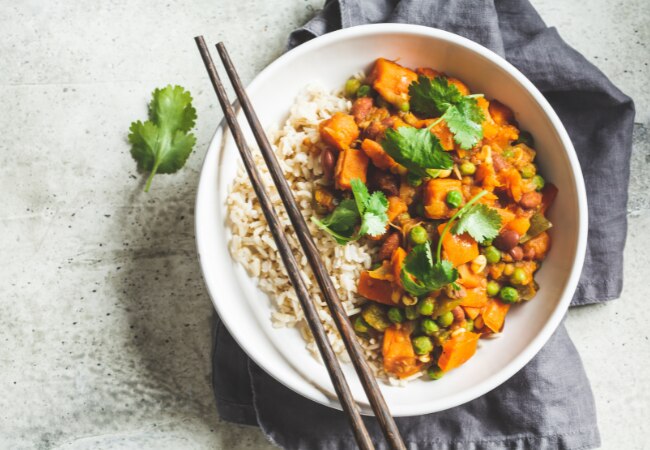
<point>369,208</point>
<point>421,275</point>
<point>162,144</point>
<point>416,149</point>
<point>461,113</point>
<point>429,276</point>
<point>480,222</point>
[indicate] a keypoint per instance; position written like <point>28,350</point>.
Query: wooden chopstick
<point>311,314</point>
<point>370,386</point>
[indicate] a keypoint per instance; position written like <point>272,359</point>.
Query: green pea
<point>509,294</point>
<point>539,182</point>
<point>351,87</point>
<point>492,288</point>
<point>426,306</point>
<point>525,138</point>
<point>507,153</point>
<point>422,345</point>
<point>429,326</point>
<point>396,315</point>
<point>404,107</point>
<point>492,254</point>
<point>467,168</point>
<point>469,325</point>
<point>518,276</point>
<point>363,91</point>
<point>446,319</point>
<point>454,199</point>
<point>411,312</point>
<point>528,171</point>
<point>413,179</point>
<point>360,325</point>
<point>435,373</point>
<point>418,235</point>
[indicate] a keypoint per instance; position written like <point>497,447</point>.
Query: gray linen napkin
<point>549,403</point>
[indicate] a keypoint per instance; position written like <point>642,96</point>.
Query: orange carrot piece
<point>380,291</point>
<point>511,179</point>
<point>457,350</point>
<point>520,225</point>
<point>474,298</point>
<point>396,206</point>
<point>397,261</point>
<point>500,113</point>
<point>494,314</point>
<point>397,350</point>
<point>458,249</point>
<point>340,130</point>
<point>377,155</point>
<point>392,81</point>
<point>469,279</point>
<point>435,197</point>
<point>472,313</point>
<point>352,163</point>
<point>444,135</point>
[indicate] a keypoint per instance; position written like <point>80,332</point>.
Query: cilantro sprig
<point>163,143</point>
<point>368,208</point>
<point>437,97</point>
<point>416,149</point>
<point>420,274</point>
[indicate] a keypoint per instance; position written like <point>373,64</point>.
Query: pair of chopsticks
<point>337,311</point>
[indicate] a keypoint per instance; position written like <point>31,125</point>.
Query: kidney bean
<point>361,109</point>
<point>529,254</point>
<point>389,245</point>
<point>459,314</point>
<point>328,162</point>
<point>531,200</point>
<point>506,240</point>
<point>517,253</point>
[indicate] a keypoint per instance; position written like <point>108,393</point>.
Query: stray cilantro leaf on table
<point>163,143</point>
<point>416,149</point>
<point>479,221</point>
<point>369,209</point>
<point>437,97</point>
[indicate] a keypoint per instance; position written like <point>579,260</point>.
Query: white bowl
<point>330,60</point>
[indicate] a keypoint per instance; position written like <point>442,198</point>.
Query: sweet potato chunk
<point>435,195</point>
<point>457,350</point>
<point>392,81</point>
<point>340,130</point>
<point>396,206</point>
<point>494,314</point>
<point>398,353</point>
<point>352,164</point>
<point>377,155</point>
<point>380,291</point>
<point>458,249</point>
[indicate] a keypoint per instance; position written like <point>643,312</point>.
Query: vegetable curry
<point>444,184</point>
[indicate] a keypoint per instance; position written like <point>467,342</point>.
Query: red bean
<point>328,162</point>
<point>506,240</point>
<point>531,200</point>
<point>361,109</point>
<point>517,253</point>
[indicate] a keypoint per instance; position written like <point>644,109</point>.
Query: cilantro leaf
<point>369,209</point>
<point>372,208</point>
<point>464,121</point>
<point>416,149</point>
<point>479,221</point>
<point>420,275</point>
<point>162,144</point>
<point>340,224</point>
<point>432,97</point>
<point>438,97</point>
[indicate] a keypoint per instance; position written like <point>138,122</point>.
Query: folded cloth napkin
<point>549,403</point>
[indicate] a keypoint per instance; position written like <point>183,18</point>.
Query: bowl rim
<point>535,345</point>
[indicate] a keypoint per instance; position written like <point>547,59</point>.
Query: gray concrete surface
<point>104,320</point>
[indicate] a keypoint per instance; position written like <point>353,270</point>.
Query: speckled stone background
<point>105,325</point>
